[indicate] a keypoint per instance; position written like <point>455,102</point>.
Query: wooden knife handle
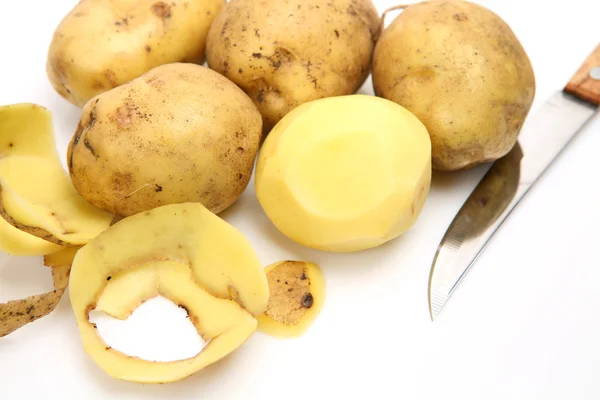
<point>585,84</point>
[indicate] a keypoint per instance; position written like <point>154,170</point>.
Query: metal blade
<point>542,138</point>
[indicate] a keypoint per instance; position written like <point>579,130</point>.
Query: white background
<point>523,325</point>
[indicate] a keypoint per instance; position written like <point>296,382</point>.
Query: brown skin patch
<point>121,181</point>
<point>161,10</point>
<point>123,116</point>
<point>290,295</point>
<point>460,17</point>
<point>111,77</point>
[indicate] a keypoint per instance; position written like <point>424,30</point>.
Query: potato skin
<point>102,44</point>
<point>463,72</point>
<point>179,133</point>
<point>287,52</point>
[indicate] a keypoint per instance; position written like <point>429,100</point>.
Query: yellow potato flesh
<point>345,173</point>
<point>185,253</point>
<point>37,193</point>
<point>288,315</point>
<point>15,242</point>
<point>26,129</point>
<point>40,208</point>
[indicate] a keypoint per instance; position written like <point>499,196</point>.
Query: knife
<point>541,140</point>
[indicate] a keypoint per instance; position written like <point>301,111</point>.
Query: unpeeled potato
<point>287,52</point>
<point>102,44</point>
<point>462,71</point>
<point>179,133</point>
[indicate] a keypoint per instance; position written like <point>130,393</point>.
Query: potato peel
<point>18,313</point>
<point>36,194</point>
<point>297,294</point>
<point>185,253</point>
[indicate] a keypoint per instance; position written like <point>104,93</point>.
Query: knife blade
<point>543,137</point>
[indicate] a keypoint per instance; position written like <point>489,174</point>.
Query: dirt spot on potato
<point>98,86</point>
<point>123,116</point>
<point>280,56</point>
<point>111,77</point>
<point>460,17</point>
<point>161,10</point>
<point>121,181</point>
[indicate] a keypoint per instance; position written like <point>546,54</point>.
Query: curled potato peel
<point>18,313</point>
<point>182,252</point>
<point>297,294</point>
<point>36,195</point>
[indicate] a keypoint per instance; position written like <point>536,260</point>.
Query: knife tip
<point>436,303</point>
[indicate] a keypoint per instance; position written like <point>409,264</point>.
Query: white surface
<point>523,325</point>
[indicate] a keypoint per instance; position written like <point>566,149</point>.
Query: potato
<point>185,253</point>
<point>345,173</point>
<point>460,69</point>
<point>179,133</point>
<point>102,44</point>
<point>284,53</point>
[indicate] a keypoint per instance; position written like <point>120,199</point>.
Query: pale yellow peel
<point>38,195</point>
<point>185,253</point>
<point>26,130</point>
<point>15,242</point>
<point>284,318</point>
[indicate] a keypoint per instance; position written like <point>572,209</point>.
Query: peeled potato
<point>185,253</point>
<point>346,173</point>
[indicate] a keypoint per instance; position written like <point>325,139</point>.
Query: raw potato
<point>286,52</point>
<point>345,173</point>
<point>18,313</point>
<point>36,195</point>
<point>102,44</point>
<point>460,69</point>
<point>296,296</point>
<point>186,254</point>
<point>179,133</point>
